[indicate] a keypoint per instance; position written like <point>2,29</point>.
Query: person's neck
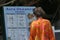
<point>39,17</point>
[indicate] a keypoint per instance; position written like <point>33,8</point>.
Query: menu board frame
<point>17,10</point>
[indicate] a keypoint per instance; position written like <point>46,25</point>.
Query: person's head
<point>38,12</point>
<point>30,16</point>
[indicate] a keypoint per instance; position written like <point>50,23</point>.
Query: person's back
<point>41,30</point>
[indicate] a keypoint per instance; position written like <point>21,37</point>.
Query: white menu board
<point>17,22</point>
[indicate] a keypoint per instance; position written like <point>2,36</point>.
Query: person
<point>41,28</point>
<point>30,17</point>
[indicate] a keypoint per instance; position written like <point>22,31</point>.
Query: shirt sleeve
<point>32,31</point>
<point>50,31</point>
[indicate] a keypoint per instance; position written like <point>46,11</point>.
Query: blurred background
<point>51,7</point>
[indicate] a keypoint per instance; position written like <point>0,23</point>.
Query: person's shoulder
<point>46,20</point>
<point>33,22</point>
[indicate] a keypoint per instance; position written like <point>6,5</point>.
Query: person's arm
<point>32,32</point>
<point>50,31</point>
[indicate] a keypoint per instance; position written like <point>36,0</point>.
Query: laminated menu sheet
<point>17,20</point>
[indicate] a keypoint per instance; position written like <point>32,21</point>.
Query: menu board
<point>17,21</point>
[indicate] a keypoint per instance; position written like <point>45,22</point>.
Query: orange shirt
<point>41,29</point>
